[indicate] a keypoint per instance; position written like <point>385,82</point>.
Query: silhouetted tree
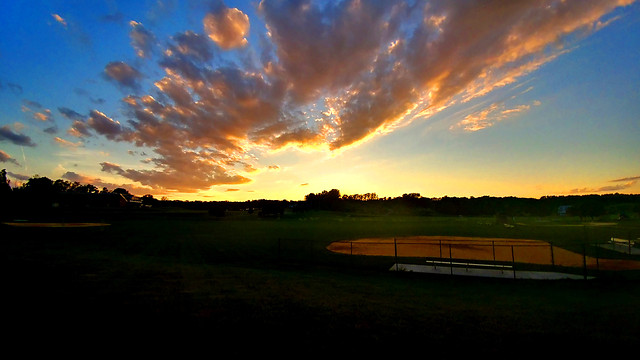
<point>5,187</point>
<point>326,200</point>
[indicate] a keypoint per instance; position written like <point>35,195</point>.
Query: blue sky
<point>237,100</point>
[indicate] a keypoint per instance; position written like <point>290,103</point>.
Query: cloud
<point>489,116</point>
<point>621,184</point>
<point>18,139</point>
<point>123,74</point>
<point>18,176</point>
<point>4,157</point>
<point>37,110</point>
<point>142,40</point>
<point>627,179</point>
<point>16,89</point>
<point>189,174</point>
<point>104,125</point>
<point>190,43</point>
<point>227,27</point>
<point>71,28</point>
<point>608,188</point>
<point>59,19</point>
<point>326,75</point>
<point>67,143</point>
<point>99,183</point>
<point>70,114</point>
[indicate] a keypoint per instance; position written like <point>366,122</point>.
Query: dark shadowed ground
<point>223,288</point>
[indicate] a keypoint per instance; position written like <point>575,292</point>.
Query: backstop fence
<point>514,254</point>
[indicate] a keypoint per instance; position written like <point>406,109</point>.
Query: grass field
<point>187,282</point>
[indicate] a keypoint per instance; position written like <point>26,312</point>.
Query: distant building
<point>562,210</point>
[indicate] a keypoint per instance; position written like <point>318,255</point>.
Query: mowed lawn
<point>244,285</point>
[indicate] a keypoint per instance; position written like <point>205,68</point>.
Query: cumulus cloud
<point>142,40</point>
<point>37,110</point>
<point>190,176</point>
<point>193,44</point>
<point>18,139</point>
<point>104,125</point>
<point>4,157</point>
<point>227,27</point>
<point>123,74</point>
<point>326,75</point>
<point>70,114</point>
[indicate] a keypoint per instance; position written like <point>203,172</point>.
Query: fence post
<point>513,262</point>
<point>598,257</point>
<point>395,249</point>
<point>493,249</point>
<point>584,260</point>
<point>450,260</point>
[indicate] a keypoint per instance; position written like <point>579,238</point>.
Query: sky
<point>244,100</point>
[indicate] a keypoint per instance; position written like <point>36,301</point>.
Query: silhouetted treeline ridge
<point>40,196</point>
<point>584,206</point>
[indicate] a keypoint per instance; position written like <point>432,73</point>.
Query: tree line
<point>43,195</point>
<point>583,206</point>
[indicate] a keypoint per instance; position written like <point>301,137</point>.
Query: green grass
<point>267,286</point>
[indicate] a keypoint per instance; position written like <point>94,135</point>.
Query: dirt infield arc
<point>481,249</point>
<point>54,225</point>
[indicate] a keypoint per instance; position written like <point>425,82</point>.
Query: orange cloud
<point>490,116</point>
<point>67,143</point>
<point>227,27</point>
<point>4,157</point>
<point>59,19</point>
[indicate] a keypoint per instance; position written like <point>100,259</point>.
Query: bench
<point>469,264</point>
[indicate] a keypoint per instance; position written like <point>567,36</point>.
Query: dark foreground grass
<point>250,286</point>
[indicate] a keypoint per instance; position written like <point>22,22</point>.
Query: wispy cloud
<point>59,19</point>
<point>67,143</point>
<point>621,184</point>
<point>489,116</point>
<point>627,179</point>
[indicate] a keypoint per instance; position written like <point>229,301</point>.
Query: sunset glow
<point>241,100</point>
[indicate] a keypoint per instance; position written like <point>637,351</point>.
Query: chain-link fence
<point>499,254</point>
